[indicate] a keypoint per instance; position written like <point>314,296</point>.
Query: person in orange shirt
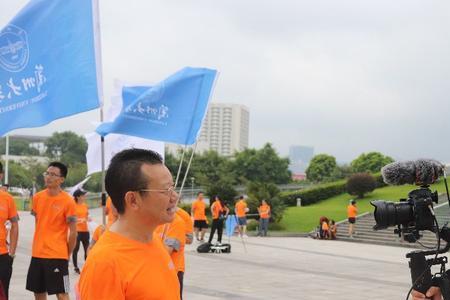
<point>173,236</point>
<point>325,230</point>
<point>189,226</point>
<point>82,213</point>
<point>352,211</point>
<point>129,262</point>
<point>219,212</point>
<point>55,236</point>
<point>8,211</point>
<point>264,217</point>
<point>109,212</point>
<point>241,210</point>
<point>101,229</point>
<point>198,209</point>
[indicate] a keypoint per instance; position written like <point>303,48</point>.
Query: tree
<point>67,147</point>
<point>258,191</point>
<point>17,147</point>
<point>322,167</point>
<point>263,165</point>
<point>371,162</point>
<point>360,183</point>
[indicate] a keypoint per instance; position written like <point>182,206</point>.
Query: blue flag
<point>230,225</point>
<point>47,63</point>
<point>170,111</point>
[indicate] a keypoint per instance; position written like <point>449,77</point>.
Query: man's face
<point>200,196</point>
<point>159,205</point>
<point>53,178</point>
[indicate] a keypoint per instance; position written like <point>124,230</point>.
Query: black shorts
<point>352,220</point>
<point>47,275</point>
<point>200,224</point>
<point>5,271</point>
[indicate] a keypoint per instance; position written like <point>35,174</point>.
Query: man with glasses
<point>54,237</point>
<point>130,261</point>
<point>7,212</point>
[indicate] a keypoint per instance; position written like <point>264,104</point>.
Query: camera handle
<point>421,271</point>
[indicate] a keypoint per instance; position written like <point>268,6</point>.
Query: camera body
<point>410,215</point>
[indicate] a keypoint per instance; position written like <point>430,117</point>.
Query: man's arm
<point>13,236</point>
<point>72,236</point>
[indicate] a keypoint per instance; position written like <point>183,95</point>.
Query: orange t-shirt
<point>240,208</point>
<point>98,232</point>
<point>325,226</point>
<point>198,207</point>
<point>82,213</point>
<point>119,268</point>
<point>173,234</point>
<point>52,214</point>
<point>188,224</point>
<point>352,211</point>
<point>216,209</point>
<point>264,211</point>
<point>111,217</point>
<point>8,211</point>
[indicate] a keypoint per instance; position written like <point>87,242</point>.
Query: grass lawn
<point>305,219</point>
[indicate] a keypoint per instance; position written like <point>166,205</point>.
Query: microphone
<point>419,172</point>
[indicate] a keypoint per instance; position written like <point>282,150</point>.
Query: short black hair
<point>62,167</point>
<point>124,174</point>
<point>1,168</point>
<point>241,197</point>
<point>198,194</point>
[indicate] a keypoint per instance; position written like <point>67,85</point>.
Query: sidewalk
<point>272,268</point>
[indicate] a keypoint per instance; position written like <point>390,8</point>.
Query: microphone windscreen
<point>398,173</point>
<point>428,171</point>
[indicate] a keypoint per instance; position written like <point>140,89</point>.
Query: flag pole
<point>188,167</point>
<point>7,160</point>
<point>181,164</point>
<point>98,60</point>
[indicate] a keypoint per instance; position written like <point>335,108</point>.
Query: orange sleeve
<point>34,205</point>
<point>12,211</point>
<point>101,281</point>
<point>176,236</point>
<point>70,211</point>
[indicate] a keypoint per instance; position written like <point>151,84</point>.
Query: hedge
<point>321,192</point>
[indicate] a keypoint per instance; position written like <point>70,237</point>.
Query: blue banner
<point>230,225</point>
<point>47,63</point>
<point>170,111</point>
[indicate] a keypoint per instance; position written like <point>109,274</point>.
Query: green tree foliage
<point>67,147</point>
<point>322,168</point>
<point>263,165</point>
<point>258,191</point>
<point>19,176</point>
<point>371,162</point>
<point>224,188</point>
<point>17,147</point>
<point>360,183</point>
<point>76,173</point>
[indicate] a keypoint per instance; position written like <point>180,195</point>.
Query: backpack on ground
<point>222,248</point>
<point>204,248</point>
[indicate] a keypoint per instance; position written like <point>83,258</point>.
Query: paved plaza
<point>269,268</point>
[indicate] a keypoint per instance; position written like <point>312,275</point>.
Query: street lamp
<point>192,187</point>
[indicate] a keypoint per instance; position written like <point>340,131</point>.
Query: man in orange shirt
<point>7,212</point>
<point>129,261</point>
<point>198,213</point>
<point>241,210</point>
<point>264,217</point>
<point>352,211</point>
<point>173,236</point>
<point>82,213</point>
<point>54,237</point>
<point>109,212</point>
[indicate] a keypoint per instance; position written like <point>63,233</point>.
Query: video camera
<point>416,214</point>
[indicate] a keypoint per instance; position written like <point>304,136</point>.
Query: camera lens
<point>391,214</point>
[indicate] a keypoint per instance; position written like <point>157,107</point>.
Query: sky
<point>345,77</point>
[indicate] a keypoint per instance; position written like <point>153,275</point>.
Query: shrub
<point>360,184</point>
<point>314,194</point>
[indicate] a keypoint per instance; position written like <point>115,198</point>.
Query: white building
<point>225,129</point>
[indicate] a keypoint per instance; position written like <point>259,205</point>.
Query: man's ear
<point>131,200</point>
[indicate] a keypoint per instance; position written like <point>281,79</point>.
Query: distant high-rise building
<point>299,157</point>
<point>225,129</point>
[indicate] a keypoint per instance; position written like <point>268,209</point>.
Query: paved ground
<point>271,268</point>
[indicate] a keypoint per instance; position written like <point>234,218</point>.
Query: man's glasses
<point>50,174</point>
<point>167,192</point>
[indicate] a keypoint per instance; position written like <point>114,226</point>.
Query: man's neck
<point>130,228</point>
<point>54,191</point>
